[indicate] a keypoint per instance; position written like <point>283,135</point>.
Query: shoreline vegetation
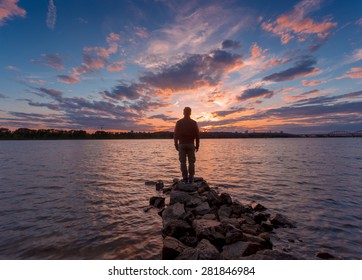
<point>57,134</point>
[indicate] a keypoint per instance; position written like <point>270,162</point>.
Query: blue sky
<point>294,66</point>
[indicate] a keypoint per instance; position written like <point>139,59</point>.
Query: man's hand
<point>196,149</point>
<point>176,147</point>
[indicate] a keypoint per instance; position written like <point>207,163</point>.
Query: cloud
<point>116,66</point>
<point>53,93</point>
<point>225,113</point>
<point>230,44</point>
<point>296,24</point>
<point>12,68</point>
<point>258,92</point>
<point>68,79</point>
<point>163,117</point>
<point>54,61</point>
<point>51,15</point>
<point>9,9</point>
<point>329,100</point>
<point>353,73</point>
<point>311,83</point>
<point>194,71</point>
<point>359,21</point>
<point>141,32</point>
<point>302,68</point>
<point>124,91</point>
<point>302,96</point>
<point>2,95</point>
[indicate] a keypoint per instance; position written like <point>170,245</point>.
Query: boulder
<point>260,217</point>
<point>233,235</point>
<point>225,198</point>
<point>266,244</point>
<point>166,190</point>
<point>230,221</point>
<point>186,187</point>
<point>203,251</point>
<point>159,185</point>
<point>240,249</point>
<point>209,229</point>
<point>203,187</point>
<point>150,183</point>
<point>174,211</point>
<point>188,216</point>
<point>281,221</point>
<point>177,229</point>
<point>209,216</point>
<point>184,198</point>
<point>224,212</point>
<point>213,198</point>
<point>271,255</point>
<point>251,229</point>
<point>157,201</point>
<point>257,206</point>
<point>246,219</point>
<point>326,256</point>
<point>172,248</point>
<point>189,240</point>
<point>202,209</point>
<point>237,209</point>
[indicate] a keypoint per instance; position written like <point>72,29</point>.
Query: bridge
<point>342,133</point>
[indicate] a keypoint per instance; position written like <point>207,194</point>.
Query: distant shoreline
<point>54,134</point>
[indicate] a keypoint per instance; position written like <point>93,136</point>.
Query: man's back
<point>186,131</point>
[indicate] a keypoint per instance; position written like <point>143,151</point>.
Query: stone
<point>240,249</point>
<point>257,206</point>
<point>326,256</point>
<point>166,190</point>
<point>230,221</point>
<point>203,251</point>
<point>157,201</point>
<point>209,229</point>
<point>245,219</point>
<point>190,241</point>
<point>281,221</point>
<point>188,217</point>
<point>224,212</point>
<point>177,229</point>
<point>260,217</point>
<point>187,187</point>
<point>172,248</point>
<point>251,229</point>
<point>199,179</point>
<point>202,209</point>
<point>226,199</point>
<point>209,216</point>
<point>267,226</point>
<point>266,244</point>
<point>159,185</point>
<point>237,209</point>
<point>184,198</point>
<point>150,183</point>
<point>213,198</point>
<point>203,187</point>
<point>233,235</point>
<point>174,211</point>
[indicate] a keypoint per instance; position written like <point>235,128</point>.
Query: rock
<point>257,206</point>
<point>172,248</point>
<point>188,217</point>
<point>187,187</point>
<point>265,236</point>
<point>174,211</point>
<point>203,251</point>
<point>150,183</point>
<point>266,244</point>
<point>233,235</point>
<point>326,256</point>
<point>240,249</point>
<point>224,212</point>
<point>213,198</point>
<point>209,229</point>
<point>157,201</point>
<point>203,187</point>
<point>245,219</point>
<point>267,226</point>
<point>177,229</point>
<point>166,190</point>
<point>148,208</point>
<point>199,179</point>
<point>230,221</point>
<point>280,220</point>
<point>260,217</point>
<point>159,185</point>
<point>209,216</point>
<point>226,199</point>
<point>251,229</point>
<point>237,209</point>
<point>184,198</point>
<point>190,241</point>
<point>202,209</point>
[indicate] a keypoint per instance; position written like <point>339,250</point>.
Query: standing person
<point>186,131</point>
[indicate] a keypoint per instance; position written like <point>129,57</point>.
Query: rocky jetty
<point>201,223</point>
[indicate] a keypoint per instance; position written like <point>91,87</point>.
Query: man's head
<point>187,111</point>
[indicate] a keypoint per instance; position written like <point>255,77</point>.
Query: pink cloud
<point>141,32</point>
<point>353,73</point>
<point>12,68</point>
<point>296,24</point>
<point>256,51</point>
<point>9,9</point>
<point>68,79</point>
<point>311,83</point>
<point>116,66</point>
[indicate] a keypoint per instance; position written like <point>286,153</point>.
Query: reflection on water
<point>85,199</point>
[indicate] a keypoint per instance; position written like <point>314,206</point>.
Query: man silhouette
<point>186,131</point>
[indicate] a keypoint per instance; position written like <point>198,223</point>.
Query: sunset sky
<point>240,65</point>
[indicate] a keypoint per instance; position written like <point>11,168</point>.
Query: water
<point>86,199</point>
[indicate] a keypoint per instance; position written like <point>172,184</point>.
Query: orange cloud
<point>311,83</point>
<point>116,66</point>
<point>295,24</point>
<point>353,73</point>
<point>9,9</point>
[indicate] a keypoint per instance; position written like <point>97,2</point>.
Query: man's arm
<point>197,138</point>
<point>176,136</point>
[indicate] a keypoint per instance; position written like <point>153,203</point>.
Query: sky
<point>292,66</point>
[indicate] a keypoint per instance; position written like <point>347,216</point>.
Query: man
<point>186,131</point>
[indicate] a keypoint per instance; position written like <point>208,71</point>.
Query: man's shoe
<point>185,180</point>
<point>191,180</point>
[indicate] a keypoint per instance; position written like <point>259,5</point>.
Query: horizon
<point>292,66</point>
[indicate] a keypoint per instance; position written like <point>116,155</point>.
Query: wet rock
<point>267,226</point>
<point>209,216</point>
<point>202,209</point>
<point>203,187</point>
<point>188,216</point>
<point>172,248</point>
<point>150,183</point>
<point>213,198</point>
<point>190,241</point>
<point>203,251</point>
<point>166,190</point>
<point>251,229</point>
<point>184,198</point>
<point>177,229</point>
<point>147,209</point>
<point>240,249</point>
<point>265,244</point>
<point>260,217</point>
<point>257,206</point>
<point>174,211</point>
<point>230,221</point>
<point>226,199</point>
<point>209,229</point>
<point>159,185</point>
<point>245,219</point>
<point>326,256</point>
<point>271,255</point>
<point>233,235</point>
<point>199,179</point>
<point>157,201</point>
<point>224,212</point>
<point>187,187</point>
<point>237,209</point>
<point>281,221</point>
